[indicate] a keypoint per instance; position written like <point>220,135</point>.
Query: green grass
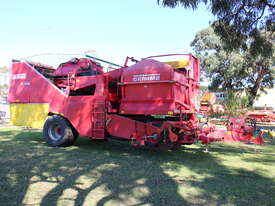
<point>114,173</point>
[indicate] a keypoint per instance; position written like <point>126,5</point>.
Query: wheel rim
<point>55,132</point>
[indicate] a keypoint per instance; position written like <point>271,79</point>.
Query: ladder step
<point>99,117</point>
<point>101,124</point>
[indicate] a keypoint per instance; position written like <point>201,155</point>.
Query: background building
<point>266,99</point>
<point>4,85</point>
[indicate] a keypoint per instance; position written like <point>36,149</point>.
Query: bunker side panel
<point>142,91</point>
<point>152,87</point>
<point>147,99</point>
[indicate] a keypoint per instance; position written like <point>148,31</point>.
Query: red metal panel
<point>147,70</point>
<point>153,107</point>
<point>147,89</point>
<point>78,110</point>
<point>19,84</point>
<point>75,65</point>
<point>152,87</point>
<point>85,81</point>
<point>237,131</point>
<point>28,85</point>
<point>127,128</point>
<point>119,126</point>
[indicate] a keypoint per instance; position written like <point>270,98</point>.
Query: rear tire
<point>58,132</point>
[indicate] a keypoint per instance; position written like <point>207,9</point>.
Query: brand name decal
<point>146,77</point>
<point>19,76</point>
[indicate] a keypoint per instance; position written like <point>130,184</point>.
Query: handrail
<point>165,55</point>
<point>130,58</point>
<point>104,61</point>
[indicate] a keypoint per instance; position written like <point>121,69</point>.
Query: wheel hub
<point>55,132</point>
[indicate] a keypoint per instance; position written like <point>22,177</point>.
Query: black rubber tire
<point>58,132</point>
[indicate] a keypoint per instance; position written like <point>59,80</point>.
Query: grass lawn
<point>114,173</point>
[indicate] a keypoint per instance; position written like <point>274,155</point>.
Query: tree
<point>250,70</point>
<point>237,20</point>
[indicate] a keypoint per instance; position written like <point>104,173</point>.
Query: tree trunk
<point>254,90</point>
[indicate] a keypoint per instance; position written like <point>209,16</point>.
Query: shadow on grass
<point>114,173</point>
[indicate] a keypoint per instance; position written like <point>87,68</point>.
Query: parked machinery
<point>150,103</point>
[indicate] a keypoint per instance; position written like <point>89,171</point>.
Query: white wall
<point>266,99</point>
<point>4,78</point>
<point>5,107</point>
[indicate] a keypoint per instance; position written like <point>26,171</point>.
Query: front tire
<point>58,132</point>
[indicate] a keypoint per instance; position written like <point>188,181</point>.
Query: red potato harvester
<point>149,103</point>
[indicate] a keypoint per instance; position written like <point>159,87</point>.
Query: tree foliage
<point>237,52</point>
<point>235,103</point>
<point>236,20</point>
<point>250,70</point>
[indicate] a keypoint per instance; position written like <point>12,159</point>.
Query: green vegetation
<point>235,104</point>
<point>236,21</point>
<point>238,70</point>
<point>237,50</point>
<point>114,173</point>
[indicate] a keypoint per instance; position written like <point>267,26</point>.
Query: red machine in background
<point>262,115</point>
<point>150,103</point>
<point>208,105</point>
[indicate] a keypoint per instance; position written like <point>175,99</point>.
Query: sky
<point>110,30</point>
